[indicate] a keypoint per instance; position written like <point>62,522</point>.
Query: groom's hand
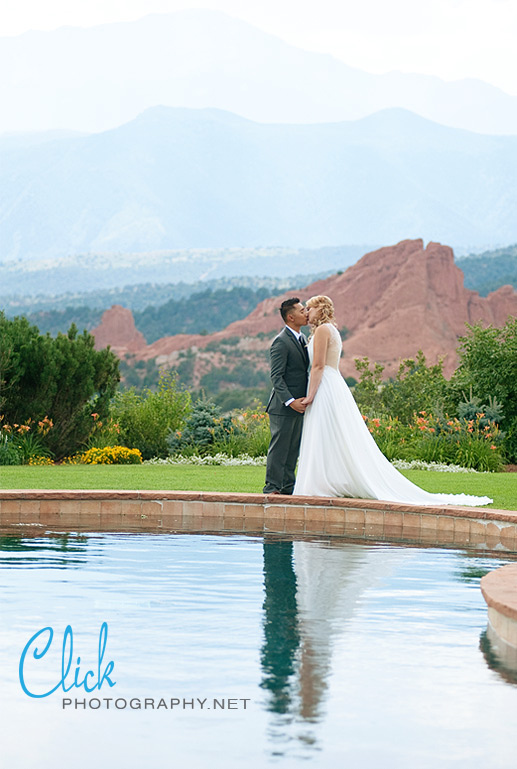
<point>298,405</point>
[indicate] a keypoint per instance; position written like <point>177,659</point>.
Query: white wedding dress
<point>338,455</point>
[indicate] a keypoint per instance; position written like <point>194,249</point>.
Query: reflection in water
<point>472,574</point>
<point>361,647</point>
<point>61,551</point>
<point>283,670</point>
<point>499,656</point>
<point>331,580</point>
<point>312,591</point>
<point>281,636</point>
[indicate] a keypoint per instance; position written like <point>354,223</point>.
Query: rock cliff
<point>117,329</point>
<point>393,302</point>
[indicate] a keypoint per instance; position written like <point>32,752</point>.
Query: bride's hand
<point>307,401</point>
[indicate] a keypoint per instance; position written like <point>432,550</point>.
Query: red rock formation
<point>117,329</point>
<point>393,301</point>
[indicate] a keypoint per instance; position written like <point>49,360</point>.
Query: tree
<point>64,378</point>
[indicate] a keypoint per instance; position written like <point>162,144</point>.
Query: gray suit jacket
<point>289,373</point>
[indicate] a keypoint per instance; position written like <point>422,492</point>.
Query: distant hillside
<point>200,313</point>
<point>102,274</point>
<point>142,295</point>
<point>55,322</point>
<point>488,271</point>
<point>177,179</point>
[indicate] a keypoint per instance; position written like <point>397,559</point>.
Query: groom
<point>289,375</point>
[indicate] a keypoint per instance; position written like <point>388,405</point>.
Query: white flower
<point>440,467</point>
<point>216,459</point>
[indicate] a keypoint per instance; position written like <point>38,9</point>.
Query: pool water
<point>303,653</point>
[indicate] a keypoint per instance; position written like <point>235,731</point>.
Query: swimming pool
<point>251,651</point>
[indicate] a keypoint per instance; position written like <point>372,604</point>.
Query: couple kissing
<point>316,423</point>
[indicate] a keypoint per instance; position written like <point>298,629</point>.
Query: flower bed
<point>470,443</point>
<point>110,455</point>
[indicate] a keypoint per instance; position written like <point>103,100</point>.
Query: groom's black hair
<point>286,306</point>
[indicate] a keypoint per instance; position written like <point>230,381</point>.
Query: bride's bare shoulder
<point>325,330</point>
<point>322,330</point>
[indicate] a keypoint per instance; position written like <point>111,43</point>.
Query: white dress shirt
<point>298,335</point>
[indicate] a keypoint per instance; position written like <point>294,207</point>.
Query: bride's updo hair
<point>325,306</point>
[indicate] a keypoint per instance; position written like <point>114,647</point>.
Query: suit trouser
<point>282,455</point>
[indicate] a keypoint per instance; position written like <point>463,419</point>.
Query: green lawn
<point>502,487</point>
<point>180,478</point>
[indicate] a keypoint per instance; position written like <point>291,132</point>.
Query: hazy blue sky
<point>449,38</point>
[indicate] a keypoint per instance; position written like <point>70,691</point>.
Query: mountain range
<point>187,179</point>
<point>93,79</point>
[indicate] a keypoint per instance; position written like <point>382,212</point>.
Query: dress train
<point>339,457</point>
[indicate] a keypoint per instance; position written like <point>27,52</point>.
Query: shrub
<point>208,433</point>
<point>203,431</point>
<point>510,439</point>
<point>488,367</point>
<point>368,390</point>
<point>250,434</point>
<point>146,419</point>
<point>416,401</point>
<point>416,387</point>
<point>31,445</point>
<point>473,408</point>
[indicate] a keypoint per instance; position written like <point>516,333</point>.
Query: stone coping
<point>477,513</point>
<point>499,589</point>
<point>39,511</point>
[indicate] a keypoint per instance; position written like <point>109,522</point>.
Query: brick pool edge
<point>106,510</point>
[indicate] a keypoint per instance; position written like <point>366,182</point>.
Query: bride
<point>338,455</point>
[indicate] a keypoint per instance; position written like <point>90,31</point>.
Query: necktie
<point>304,348</point>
